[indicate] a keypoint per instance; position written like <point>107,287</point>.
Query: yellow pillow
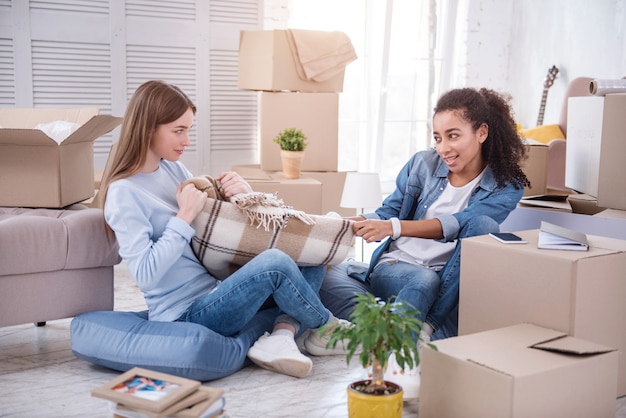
<point>543,133</point>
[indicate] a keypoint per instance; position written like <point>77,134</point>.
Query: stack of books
<point>142,393</point>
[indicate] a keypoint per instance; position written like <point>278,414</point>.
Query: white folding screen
<point>94,53</point>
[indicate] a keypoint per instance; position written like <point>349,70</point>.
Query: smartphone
<point>508,238</point>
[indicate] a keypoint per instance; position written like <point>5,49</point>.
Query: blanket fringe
<point>267,210</point>
<point>263,209</point>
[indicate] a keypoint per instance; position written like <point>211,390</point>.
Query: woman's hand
<point>372,230</point>
<point>190,202</point>
<point>232,184</point>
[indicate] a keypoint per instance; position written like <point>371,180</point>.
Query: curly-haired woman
<point>466,186</point>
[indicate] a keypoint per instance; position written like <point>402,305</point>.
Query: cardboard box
<point>581,293</point>
<point>252,172</point>
<point>595,148</point>
<point>316,114</point>
<point>332,185</point>
<point>332,189</point>
<point>36,171</point>
<point>518,371</point>
<point>266,63</point>
<point>536,169</point>
<point>303,194</point>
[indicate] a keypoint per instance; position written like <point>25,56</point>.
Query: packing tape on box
<point>604,87</point>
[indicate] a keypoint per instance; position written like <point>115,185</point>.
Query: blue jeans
<point>342,283</point>
<point>416,286</point>
<point>239,297</point>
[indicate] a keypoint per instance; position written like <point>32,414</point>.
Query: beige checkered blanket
<point>230,232</point>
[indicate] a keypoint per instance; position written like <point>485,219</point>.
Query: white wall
<point>512,43</point>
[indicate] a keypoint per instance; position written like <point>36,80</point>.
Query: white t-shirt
<point>432,253</point>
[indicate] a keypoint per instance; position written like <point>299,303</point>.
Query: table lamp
<point>361,191</point>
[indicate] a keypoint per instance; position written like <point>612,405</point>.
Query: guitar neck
<point>542,107</point>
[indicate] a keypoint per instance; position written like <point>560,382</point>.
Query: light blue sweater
<point>155,245</point>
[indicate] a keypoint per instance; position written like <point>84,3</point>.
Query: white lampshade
<point>361,190</point>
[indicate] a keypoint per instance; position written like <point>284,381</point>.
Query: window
<point>389,92</point>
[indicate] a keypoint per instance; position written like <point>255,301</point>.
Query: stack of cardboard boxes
<point>541,333</point>
<point>266,65</point>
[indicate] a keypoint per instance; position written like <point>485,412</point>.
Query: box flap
<point>485,344</point>
<point>18,125</point>
<point>508,350</point>
<point>17,118</point>
<point>93,129</point>
<point>571,345</point>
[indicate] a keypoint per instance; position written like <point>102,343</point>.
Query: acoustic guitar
<point>550,77</point>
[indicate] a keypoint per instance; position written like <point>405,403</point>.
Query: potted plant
<point>378,329</point>
<point>292,143</point>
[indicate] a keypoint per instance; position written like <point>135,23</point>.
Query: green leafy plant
<point>378,329</point>
<point>291,139</point>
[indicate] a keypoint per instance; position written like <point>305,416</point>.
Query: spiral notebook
<point>555,237</point>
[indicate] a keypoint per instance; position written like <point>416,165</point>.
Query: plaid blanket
<point>230,232</point>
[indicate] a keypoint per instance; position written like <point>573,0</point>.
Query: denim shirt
<point>420,183</point>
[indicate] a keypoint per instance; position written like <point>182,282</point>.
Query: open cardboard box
<point>519,371</point>
<point>35,170</point>
<point>581,293</point>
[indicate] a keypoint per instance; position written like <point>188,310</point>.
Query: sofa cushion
<point>41,240</point>
<point>123,340</point>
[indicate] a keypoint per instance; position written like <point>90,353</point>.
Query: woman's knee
<point>428,280</point>
<point>338,291</point>
<point>274,259</point>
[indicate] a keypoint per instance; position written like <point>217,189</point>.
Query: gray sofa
<point>54,263</point>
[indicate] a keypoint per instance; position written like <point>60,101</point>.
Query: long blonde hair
<point>154,103</point>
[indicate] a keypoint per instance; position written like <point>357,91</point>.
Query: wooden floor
<point>40,377</point>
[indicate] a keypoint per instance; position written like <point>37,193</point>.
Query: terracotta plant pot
<point>366,405</point>
<point>292,161</point>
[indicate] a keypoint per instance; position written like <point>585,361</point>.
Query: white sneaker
<point>280,353</point>
<point>315,343</point>
<point>409,379</point>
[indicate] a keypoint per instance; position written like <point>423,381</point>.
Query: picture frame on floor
<point>146,389</point>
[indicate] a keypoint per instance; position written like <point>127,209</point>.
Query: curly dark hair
<point>503,150</point>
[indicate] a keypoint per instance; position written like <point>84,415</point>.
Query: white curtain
<point>406,52</point>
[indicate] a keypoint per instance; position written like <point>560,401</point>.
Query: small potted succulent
<point>378,329</point>
<point>292,144</point>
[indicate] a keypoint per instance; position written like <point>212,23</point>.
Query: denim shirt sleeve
<point>491,201</point>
